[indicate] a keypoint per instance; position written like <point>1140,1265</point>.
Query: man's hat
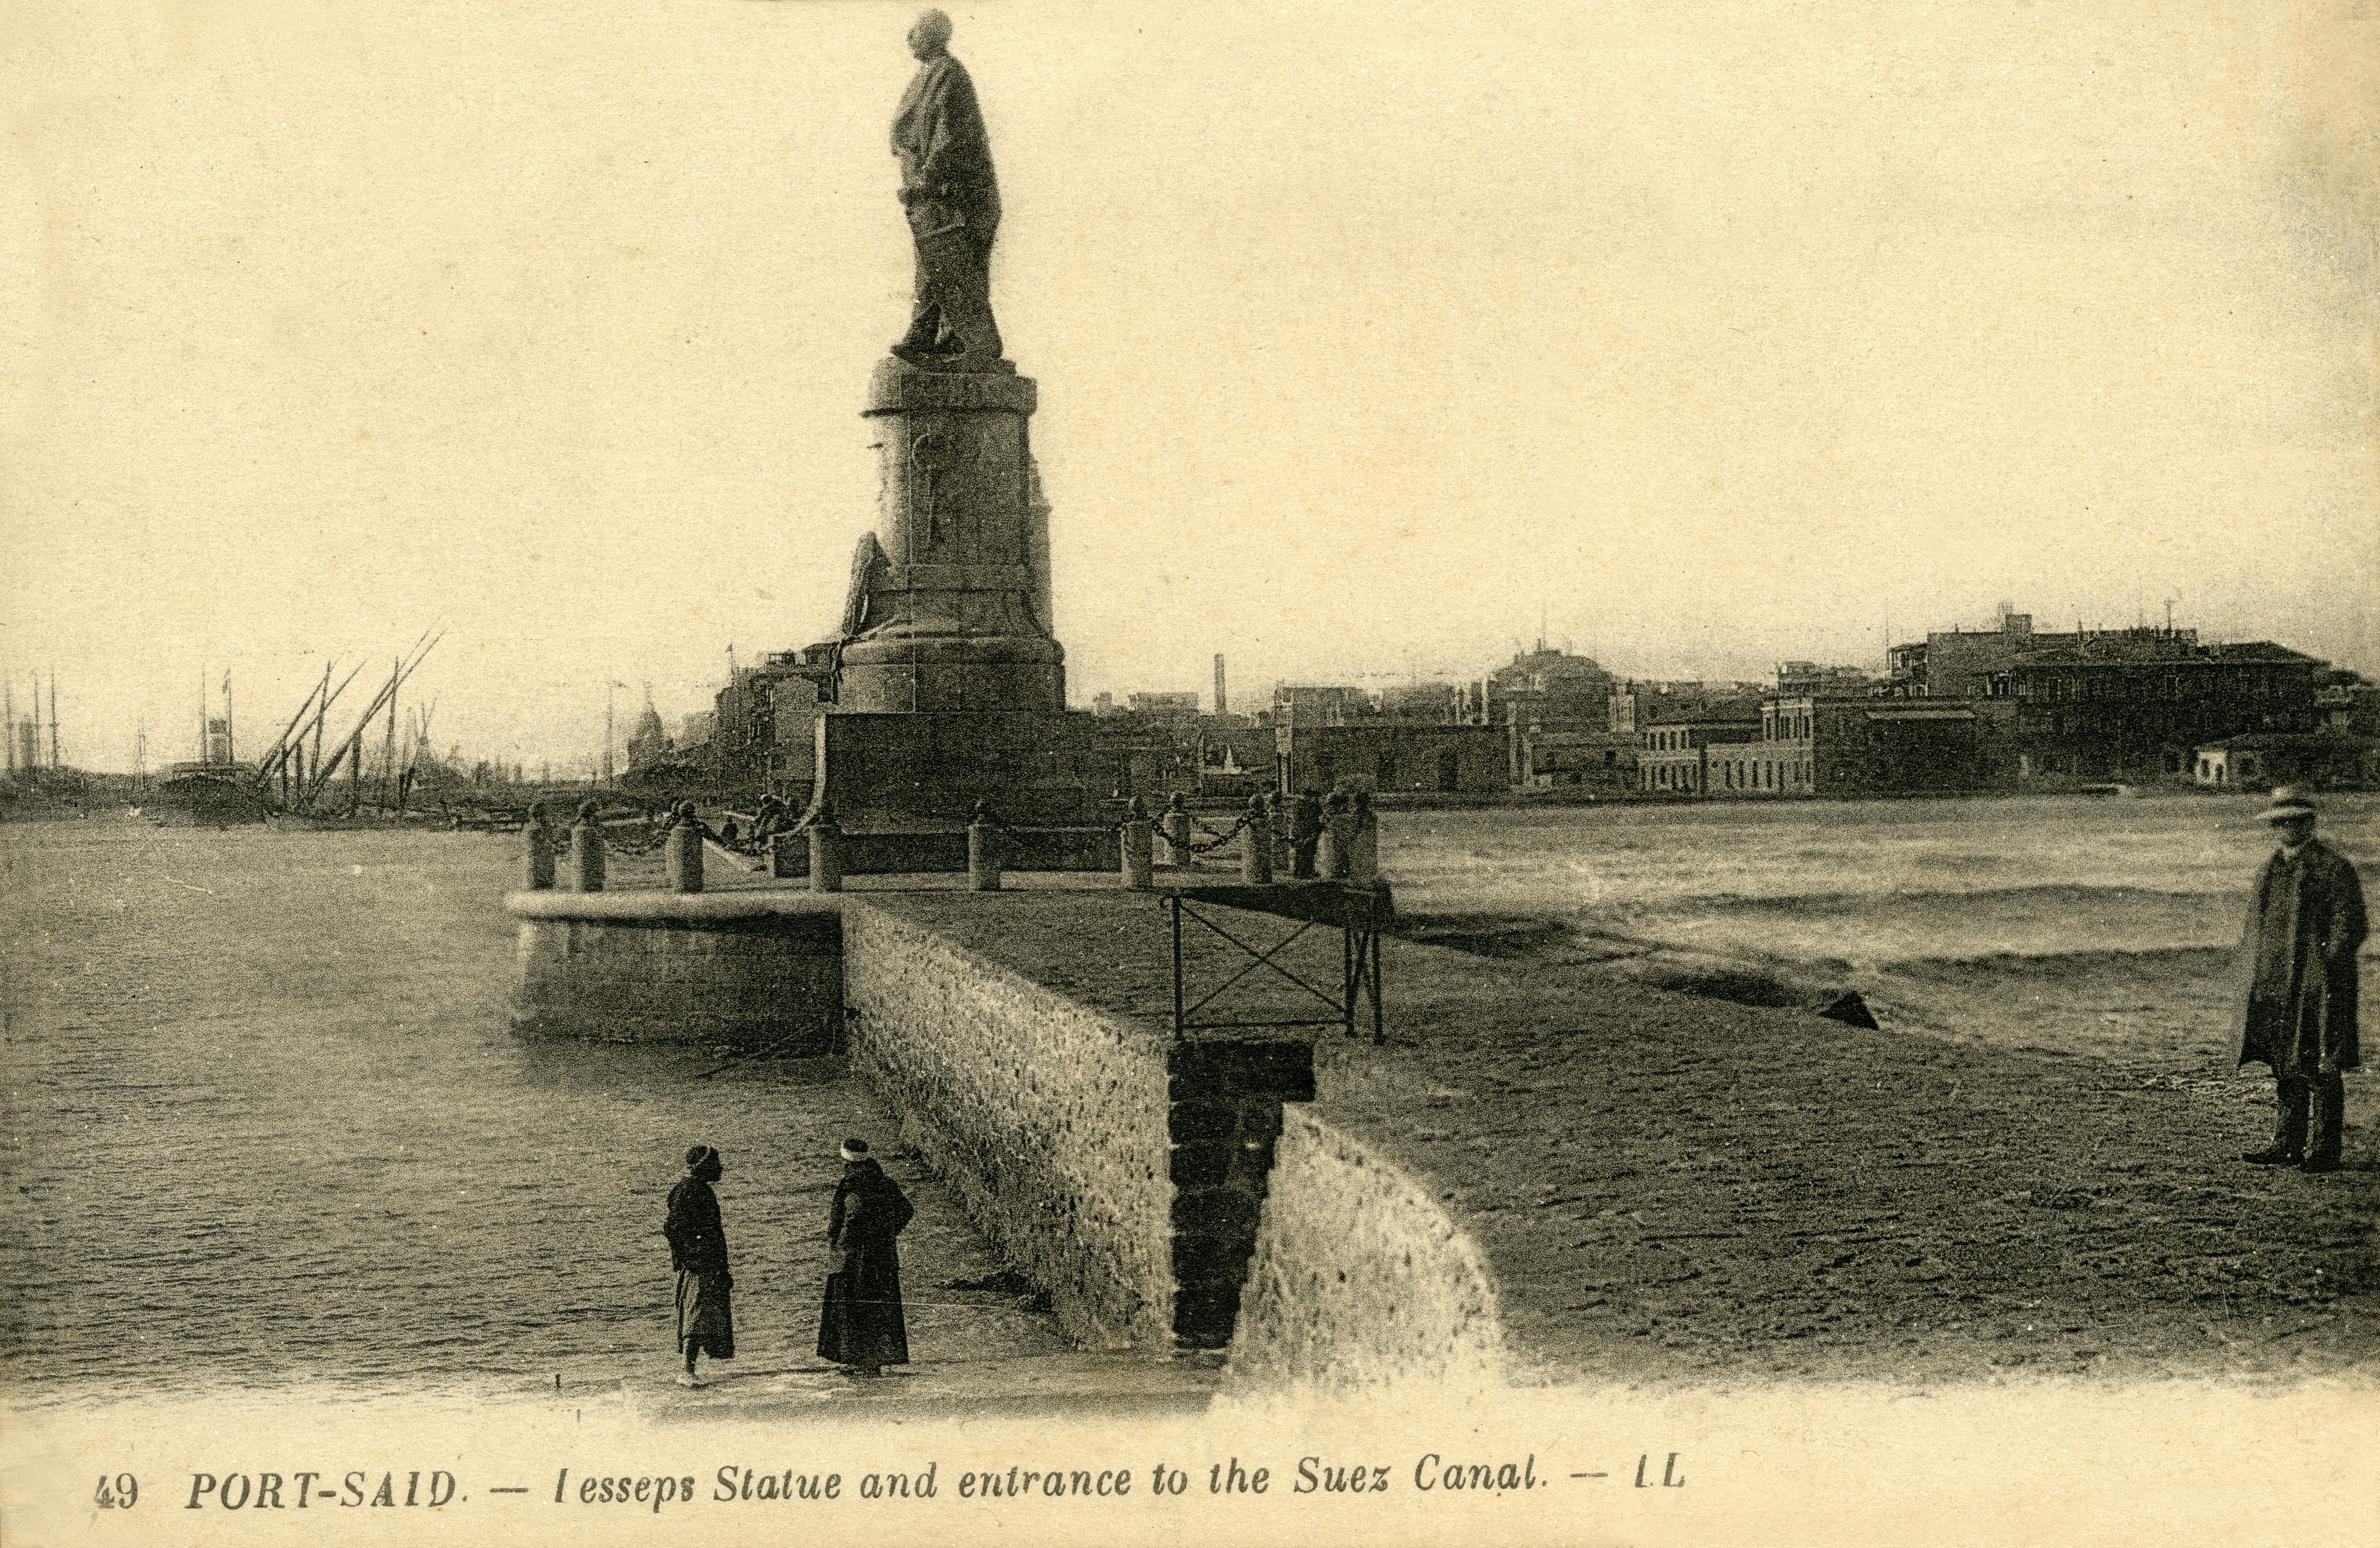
<point>2288,806</point>
<point>854,1149</point>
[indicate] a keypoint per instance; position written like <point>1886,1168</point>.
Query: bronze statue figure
<point>953,208</point>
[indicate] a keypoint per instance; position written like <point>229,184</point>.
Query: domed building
<point>648,742</point>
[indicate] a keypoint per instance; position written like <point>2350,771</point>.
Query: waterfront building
<point>2260,760</point>
<point>763,730</point>
<point>1639,702</point>
<point>2108,704</point>
<point>1382,757</point>
<point>1673,746</point>
<point>1812,745</point>
<point>2112,707</point>
<point>1604,762</point>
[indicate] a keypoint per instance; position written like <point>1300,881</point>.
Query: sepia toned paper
<point>1371,341</point>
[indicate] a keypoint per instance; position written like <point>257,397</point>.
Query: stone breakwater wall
<point>727,970</point>
<point>1359,1280</point>
<point>1118,1170</point>
<point>1046,1118</point>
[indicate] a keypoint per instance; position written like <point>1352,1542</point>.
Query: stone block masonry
<point>1361,1280</point>
<point>1226,1103</point>
<point>1047,1118</point>
<point>1122,1172</point>
<point>747,971</point>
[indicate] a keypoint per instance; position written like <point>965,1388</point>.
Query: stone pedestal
<point>953,608</point>
<point>947,688</point>
<point>891,773</point>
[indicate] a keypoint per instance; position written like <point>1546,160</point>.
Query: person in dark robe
<point>861,1326</point>
<point>1304,833</point>
<point>698,1242</point>
<point>2305,922</point>
<point>953,208</point>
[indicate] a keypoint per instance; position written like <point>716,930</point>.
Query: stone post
<point>586,850</point>
<point>782,851</point>
<point>682,851</point>
<point>1364,857</point>
<point>826,852</point>
<point>1139,844</point>
<point>1176,828</point>
<point>983,852</point>
<point>1256,846</point>
<point>537,841</point>
<point>1338,839</point>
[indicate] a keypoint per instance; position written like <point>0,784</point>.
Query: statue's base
<point>930,666</point>
<point>893,773</point>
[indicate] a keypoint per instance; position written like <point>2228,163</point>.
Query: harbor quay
<point>1540,1177</point>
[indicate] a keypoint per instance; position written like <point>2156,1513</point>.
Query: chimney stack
<point>1223,704</point>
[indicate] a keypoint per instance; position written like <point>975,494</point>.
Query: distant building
<point>647,742</point>
<point>1550,690</point>
<point>1808,679</point>
<point>2348,703</point>
<point>1311,705</point>
<point>2129,703</point>
<point>1172,708</point>
<point>1235,759</point>
<point>2264,758</point>
<point>1640,702</point>
<point>1601,761</point>
<point>1423,704</point>
<point>1387,757</point>
<point>1544,692</point>
<point>1810,745</point>
<point>1673,743</point>
<point>764,730</point>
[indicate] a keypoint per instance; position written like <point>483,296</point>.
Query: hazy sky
<point>1717,332</point>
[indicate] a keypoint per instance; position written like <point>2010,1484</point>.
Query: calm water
<point>267,1126</point>
<point>2086,924</point>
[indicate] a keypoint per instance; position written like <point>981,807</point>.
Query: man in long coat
<point>954,207</point>
<point>861,1326</point>
<point>2305,922</point>
<point>698,1242</point>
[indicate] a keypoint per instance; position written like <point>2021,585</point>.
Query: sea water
<point>2084,923</point>
<point>267,1126</point>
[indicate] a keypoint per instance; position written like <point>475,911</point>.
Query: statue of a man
<point>953,206</point>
